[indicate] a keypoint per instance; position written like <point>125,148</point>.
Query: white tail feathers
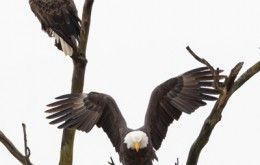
<point>66,48</point>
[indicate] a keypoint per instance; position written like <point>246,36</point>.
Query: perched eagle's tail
<point>63,45</point>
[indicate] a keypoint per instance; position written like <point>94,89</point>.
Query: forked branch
<point>111,161</point>
<point>215,73</point>
<point>24,159</point>
<point>228,88</point>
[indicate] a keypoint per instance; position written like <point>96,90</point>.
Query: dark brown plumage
<point>59,19</point>
<point>184,93</point>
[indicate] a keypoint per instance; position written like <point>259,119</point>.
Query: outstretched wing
<point>83,111</point>
<point>184,93</point>
<point>59,16</point>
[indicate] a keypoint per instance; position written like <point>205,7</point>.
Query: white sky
<point>134,45</point>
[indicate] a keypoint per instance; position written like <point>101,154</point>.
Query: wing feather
<point>84,111</point>
<point>184,93</point>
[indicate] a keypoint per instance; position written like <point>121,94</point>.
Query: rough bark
<point>229,87</point>
<point>79,65</point>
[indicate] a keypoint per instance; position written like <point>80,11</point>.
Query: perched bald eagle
<point>59,19</point>
<point>168,101</point>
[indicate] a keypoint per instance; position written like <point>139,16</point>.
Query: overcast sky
<point>134,45</point>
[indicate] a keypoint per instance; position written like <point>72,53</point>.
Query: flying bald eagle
<point>168,101</point>
<point>59,19</point>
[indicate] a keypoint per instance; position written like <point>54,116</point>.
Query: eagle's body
<point>144,156</point>
<point>59,19</point>
<point>184,93</point>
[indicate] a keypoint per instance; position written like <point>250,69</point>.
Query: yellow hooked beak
<point>137,146</point>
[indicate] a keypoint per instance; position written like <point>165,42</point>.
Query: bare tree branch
<point>14,151</point>
<point>79,65</point>
<point>177,162</point>
<point>112,161</point>
<point>246,76</point>
<point>230,86</point>
<point>27,151</point>
<point>214,72</point>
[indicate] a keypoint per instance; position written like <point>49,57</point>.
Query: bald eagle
<point>184,93</point>
<point>59,19</point>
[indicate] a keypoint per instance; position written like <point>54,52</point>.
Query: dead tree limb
<point>229,87</point>
<point>112,161</point>
<point>24,159</point>
<point>27,151</point>
<point>79,65</point>
<point>246,76</point>
<point>177,162</point>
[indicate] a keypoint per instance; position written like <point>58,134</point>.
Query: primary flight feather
<point>168,101</point>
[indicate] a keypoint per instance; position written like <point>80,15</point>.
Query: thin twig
<point>214,72</point>
<point>177,162</point>
<point>14,151</point>
<point>201,60</point>
<point>112,161</point>
<point>27,150</point>
<point>229,87</point>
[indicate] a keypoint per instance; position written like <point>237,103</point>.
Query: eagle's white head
<point>136,140</point>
